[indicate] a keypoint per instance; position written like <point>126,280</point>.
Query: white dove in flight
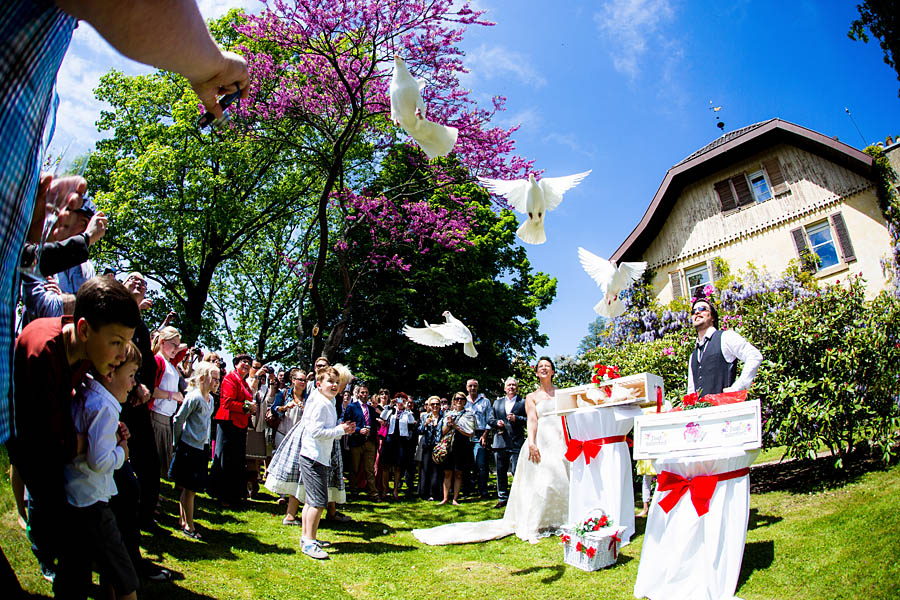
<point>408,111</point>
<point>534,198</point>
<point>452,331</point>
<point>611,280</point>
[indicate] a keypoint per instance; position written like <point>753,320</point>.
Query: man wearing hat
<point>712,368</point>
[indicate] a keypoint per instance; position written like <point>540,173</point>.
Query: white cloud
<point>628,25</point>
<point>571,141</point>
<point>528,119</point>
<point>496,62</point>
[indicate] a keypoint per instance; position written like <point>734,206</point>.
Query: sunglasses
<point>699,310</point>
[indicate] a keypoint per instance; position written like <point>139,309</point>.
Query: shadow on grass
<point>554,572</point>
<point>216,544</point>
<point>808,476</point>
<point>757,556</point>
<point>757,520</point>
<point>370,547</point>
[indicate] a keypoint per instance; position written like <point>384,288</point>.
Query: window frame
<point>761,173</point>
<point>699,268</point>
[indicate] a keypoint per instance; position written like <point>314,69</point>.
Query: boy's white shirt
<point>320,428</point>
<point>89,478</point>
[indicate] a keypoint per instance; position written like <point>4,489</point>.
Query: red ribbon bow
<point>613,545</point>
<point>702,488</point>
<point>591,448</point>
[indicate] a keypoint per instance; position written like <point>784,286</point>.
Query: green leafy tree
<point>182,202</point>
<point>490,286</point>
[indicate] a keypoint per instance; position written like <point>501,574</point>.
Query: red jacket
<point>233,394</point>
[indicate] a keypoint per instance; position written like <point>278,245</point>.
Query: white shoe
<point>312,550</point>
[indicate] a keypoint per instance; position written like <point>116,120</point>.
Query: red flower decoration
<point>603,522</point>
<point>578,546</point>
<point>600,369</point>
<point>591,552</point>
<point>565,538</point>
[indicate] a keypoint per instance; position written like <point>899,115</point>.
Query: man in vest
<point>712,368</point>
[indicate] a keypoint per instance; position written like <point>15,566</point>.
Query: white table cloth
<point>691,557</point>
<point>607,481</point>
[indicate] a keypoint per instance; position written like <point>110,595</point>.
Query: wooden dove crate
<point>644,386</point>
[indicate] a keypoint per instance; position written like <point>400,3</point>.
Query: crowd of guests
<point>128,407</point>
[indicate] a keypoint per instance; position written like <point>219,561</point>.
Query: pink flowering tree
<point>321,72</point>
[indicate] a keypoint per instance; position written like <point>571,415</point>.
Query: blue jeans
<point>481,463</point>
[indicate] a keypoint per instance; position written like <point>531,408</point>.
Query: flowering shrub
<point>831,360</point>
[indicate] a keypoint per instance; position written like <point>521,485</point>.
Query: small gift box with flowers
<point>592,544</point>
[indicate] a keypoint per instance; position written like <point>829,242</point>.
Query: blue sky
<point>622,87</point>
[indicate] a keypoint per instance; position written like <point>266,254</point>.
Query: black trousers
<point>143,458</point>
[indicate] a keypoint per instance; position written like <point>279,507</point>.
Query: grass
<point>810,536</point>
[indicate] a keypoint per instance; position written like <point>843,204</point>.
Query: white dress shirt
<point>89,478</point>
<point>320,428</point>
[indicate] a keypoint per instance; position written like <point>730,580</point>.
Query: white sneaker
<point>313,550</point>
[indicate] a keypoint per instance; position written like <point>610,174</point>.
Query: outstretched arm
<point>167,34</point>
<point>534,454</point>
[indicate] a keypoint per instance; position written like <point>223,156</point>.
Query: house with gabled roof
<point>767,193</point>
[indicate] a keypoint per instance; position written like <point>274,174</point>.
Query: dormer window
<point>749,188</point>
<point>759,186</point>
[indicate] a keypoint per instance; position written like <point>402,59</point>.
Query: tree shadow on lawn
<point>757,556</point>
<point>373,547</point>
<point>217,544</point>
<point>806,476</point>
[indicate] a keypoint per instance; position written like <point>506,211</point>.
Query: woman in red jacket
<point>227,481</point>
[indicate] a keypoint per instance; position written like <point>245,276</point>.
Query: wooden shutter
<point>776,176</point>
<point>675,280</point>
<point>803,250</point>
<point>843,237</point>
<point>726,197</point>
<point>744,195</point>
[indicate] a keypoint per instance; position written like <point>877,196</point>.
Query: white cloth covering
<point>538,500</point>
<point>606,482</point>
<point>686,557</point>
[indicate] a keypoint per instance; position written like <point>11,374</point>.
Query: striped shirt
<point>34,36</point>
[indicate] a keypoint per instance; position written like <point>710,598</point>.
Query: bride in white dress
<point>539,499</point>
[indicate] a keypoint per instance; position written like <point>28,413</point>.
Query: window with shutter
<point>675,280</point>
<point>843,237</point>
<point>726,196</point>
<point>776,176</point>
<point>697,280</point>
<point>807,262</point>
<point>744,195</point>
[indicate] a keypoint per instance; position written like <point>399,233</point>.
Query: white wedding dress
<point>538,500</point>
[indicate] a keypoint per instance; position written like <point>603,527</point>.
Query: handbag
<point>272,419</point>
<point>442,449</point>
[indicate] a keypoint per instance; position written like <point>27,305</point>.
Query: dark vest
<point>712,373</point>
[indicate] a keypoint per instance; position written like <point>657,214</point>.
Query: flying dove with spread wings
<point>408,111</point>
<point>452,331</point>
<point>534,198</point>
<point>611,279</point>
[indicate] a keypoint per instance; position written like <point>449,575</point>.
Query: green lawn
<point>808,539</point>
